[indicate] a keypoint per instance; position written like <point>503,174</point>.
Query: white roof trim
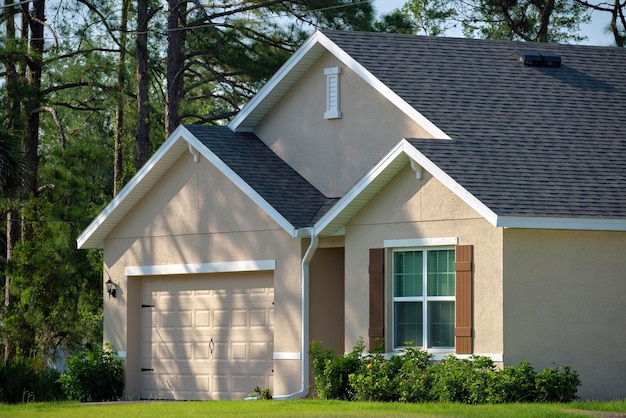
<point>179,142</point>
<point>381,87</point>
<point>242,185</point>
<point>273,82</point>
<point>449,182</point>
<point>405,148</point>
<point>540,222</point>
<point>89,235</point>
<point>198,268</point>
<point>359,187</point>
<point>297,59</point>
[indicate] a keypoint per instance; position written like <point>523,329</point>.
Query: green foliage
<point>13,170</point>
<point>263,393</point>
<point>331,373</point>
<point>412,376</point>
<point>93,376</point>
<point>26,380</point>
<point>557,384</point>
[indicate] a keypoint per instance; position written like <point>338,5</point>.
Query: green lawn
<point>303,408</point>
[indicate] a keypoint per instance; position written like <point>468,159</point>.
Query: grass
<point>303,408</point>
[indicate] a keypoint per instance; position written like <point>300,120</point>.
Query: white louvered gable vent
<point>332,93</point>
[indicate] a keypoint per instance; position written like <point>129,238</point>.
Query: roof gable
<point>281,192</point>
<point>297,65</point>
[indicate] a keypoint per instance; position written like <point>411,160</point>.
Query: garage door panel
<point>207,337</point>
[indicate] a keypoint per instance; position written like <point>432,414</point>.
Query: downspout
<point>304,326</point>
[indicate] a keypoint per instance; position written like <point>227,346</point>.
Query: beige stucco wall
<point>412,208</point>
<point>333,154</point>
<point>196,215</point>
<point>564,303</point>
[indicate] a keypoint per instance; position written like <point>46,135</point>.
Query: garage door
<point>206,337</point>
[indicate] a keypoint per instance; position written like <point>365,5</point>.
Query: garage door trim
<point>195,268</point>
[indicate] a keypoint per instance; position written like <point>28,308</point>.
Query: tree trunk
<point>174,66</point>
<point>33,102</point>
<point>118,165</point>
<point>143,105</point>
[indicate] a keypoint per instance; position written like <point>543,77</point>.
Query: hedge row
<point>412,376</point>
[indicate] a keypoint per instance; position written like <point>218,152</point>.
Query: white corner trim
<point>218,267</point>
<point>286,355</point>
<point>420,242</point>
<point>194,152</point>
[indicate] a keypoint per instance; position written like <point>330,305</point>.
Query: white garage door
<point>206,337</point>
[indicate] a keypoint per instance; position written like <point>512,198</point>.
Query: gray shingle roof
<point>279,184</point>
<point>527,141</point>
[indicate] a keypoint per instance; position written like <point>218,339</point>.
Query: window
<point>424,297</point>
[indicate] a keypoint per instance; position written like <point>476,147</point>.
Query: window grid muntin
<point>425,298</point>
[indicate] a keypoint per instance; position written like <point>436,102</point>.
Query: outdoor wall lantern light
<point>110,289</point>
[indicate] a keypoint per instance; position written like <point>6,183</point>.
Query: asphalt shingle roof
<point>279,184</point>
<point>526,141</point>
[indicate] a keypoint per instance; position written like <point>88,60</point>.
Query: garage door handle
<point>147,370</point>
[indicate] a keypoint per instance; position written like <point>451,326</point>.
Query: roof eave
<point>93,236</point>
<point>570,223</point>
<point>252,113</point>
<point>370,184</point>
<point>179,142</point>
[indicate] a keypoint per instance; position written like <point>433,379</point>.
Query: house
<point>466,195</point>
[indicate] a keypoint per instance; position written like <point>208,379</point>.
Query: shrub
<point>331,372</point>
<point>94,376</point>
<point>375,380</point>
<point>414,379</point>
<point>262,393</point>
<point>27,380</point>
<point>558,384</point>
<point>412,376</point>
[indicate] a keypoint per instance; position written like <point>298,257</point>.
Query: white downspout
<point>304,349</point>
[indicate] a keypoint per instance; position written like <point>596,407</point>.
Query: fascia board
<point>405,148</point>
<point>583,224</point>
<point>381,87</point>
<point>236,124</point>
<point>450,183</point>
<point>90,237</point>
<point>358,188</point>
<point>241,184</point>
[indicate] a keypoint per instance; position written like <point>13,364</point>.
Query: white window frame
<point>424,245</point>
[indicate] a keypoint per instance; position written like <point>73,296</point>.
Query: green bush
<point>94,376</point>
<point>331,372</point>
<point>375,380</point>
<point>27,380</point>
<point>412,376</point>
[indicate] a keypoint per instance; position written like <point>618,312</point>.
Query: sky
<point>593,31</point>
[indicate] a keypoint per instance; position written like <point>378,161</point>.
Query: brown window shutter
<point>377,297</point>
<point>463,331</point>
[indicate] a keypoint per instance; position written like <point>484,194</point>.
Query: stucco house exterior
<point>466,195</point>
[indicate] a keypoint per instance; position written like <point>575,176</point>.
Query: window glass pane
<point>441,324</point>
<point>408,273</point>
<point>440,273</point>
<point>408,323</point>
